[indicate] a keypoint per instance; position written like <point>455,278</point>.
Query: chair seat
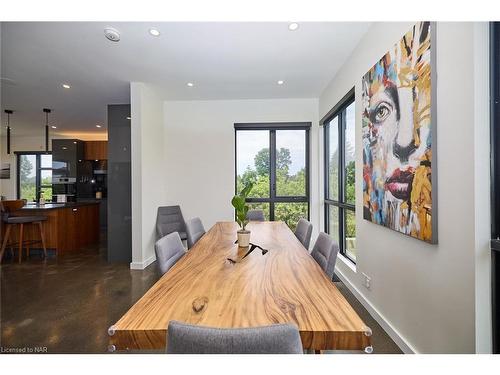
<point>24,219</point>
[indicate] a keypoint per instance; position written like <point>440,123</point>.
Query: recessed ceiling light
<point>129,118</point>
<point>280,82</point>
<point>66,86</point>
<point>112,34</point>
<point>293,26</point>
<point>96,159</point>
<point>190,84</point>
<point>154,32</point>
<point>98,126</point>
<point>54,127</point>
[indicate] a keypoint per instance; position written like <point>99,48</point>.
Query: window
<point>275,157</point>
<point>340,151</point>
<point>34,176</point>
<point>495,180</point>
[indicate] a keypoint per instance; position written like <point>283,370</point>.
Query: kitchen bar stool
<point>6,209</point>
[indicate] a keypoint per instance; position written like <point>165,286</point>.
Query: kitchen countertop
<point>53,206</point>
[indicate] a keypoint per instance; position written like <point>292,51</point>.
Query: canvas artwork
<point>398,129</point>
<point>5,171</point>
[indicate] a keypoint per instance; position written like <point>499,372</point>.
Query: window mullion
<point>326,171</point>
<point>38,178</point>
<point>341,180</point>
<point>272,172</point>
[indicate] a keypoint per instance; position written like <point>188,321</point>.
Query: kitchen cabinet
<point>96,150</point>
<point>66,154</point>
<point>68,227</point>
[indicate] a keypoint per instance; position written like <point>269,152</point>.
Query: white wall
<point>425,294</point>
<point>199,151</point>
<point>148,170</point>
<point>482,188</point>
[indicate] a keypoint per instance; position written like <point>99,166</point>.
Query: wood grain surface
<point>66,228</point>
<point>284,285</point>
<point>96,150</point>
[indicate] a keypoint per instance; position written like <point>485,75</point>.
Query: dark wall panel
<point>119,184</point>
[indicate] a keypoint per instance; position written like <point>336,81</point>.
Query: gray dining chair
<point>256,215</point>
<point>169,249</point>
<point>185,338</point>
<point>325,252</point>
<point>194,231</point>
<point>168,220</point>
<point>303,232</point>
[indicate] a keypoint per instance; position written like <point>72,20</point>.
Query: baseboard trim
<point>391,331</point>
<point>142,265</point>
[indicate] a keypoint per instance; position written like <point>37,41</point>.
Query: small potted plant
<point>239,204</point>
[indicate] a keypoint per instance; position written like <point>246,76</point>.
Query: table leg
<point>20,242</point>
<point>42,237</point>
<point>5,240</point>
<point>27,234</point>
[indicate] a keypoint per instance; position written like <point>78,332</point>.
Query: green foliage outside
<point>28,182</point>
<point>286,185</point>
<point>350,191</point>
<point>350,198</point>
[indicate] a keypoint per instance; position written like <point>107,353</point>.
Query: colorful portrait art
<point>398,127</point>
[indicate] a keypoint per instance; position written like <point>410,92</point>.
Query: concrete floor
<point>66,305</point>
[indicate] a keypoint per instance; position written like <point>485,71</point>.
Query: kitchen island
<point>69,226</point>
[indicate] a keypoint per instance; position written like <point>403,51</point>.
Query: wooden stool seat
<point>6,208</point>
<point>24,219</point>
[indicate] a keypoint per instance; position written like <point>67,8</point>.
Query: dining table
<point>219,284</point>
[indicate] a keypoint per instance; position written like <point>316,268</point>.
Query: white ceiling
<point>224,60</point>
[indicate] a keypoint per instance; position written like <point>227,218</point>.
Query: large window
<point>340,211</point>
<point>34,176</point>
<point>275,157</point>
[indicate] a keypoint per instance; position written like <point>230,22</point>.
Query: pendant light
<point>47,111</point>
<point>9,112</point>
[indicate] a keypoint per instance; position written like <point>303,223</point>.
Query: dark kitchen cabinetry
<point>66,155</point>
<point>67,165</point>
<point>96,150</point>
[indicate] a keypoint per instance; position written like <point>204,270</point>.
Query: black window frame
<point>341,203</point>
<point>272,127</point>
<point>38,168</point>
<point>495,181</point>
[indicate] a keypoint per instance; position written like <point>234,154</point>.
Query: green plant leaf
<point>246,190</point>
<point>241,216</point>
<point>238,202</point>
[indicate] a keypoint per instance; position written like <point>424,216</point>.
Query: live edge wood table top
<point>284,285</point>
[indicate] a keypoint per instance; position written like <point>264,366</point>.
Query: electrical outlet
<point>367,281</point>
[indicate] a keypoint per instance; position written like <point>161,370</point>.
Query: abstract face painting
<point>397,126</point>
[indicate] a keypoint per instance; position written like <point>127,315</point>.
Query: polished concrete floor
<point>66,305</point>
